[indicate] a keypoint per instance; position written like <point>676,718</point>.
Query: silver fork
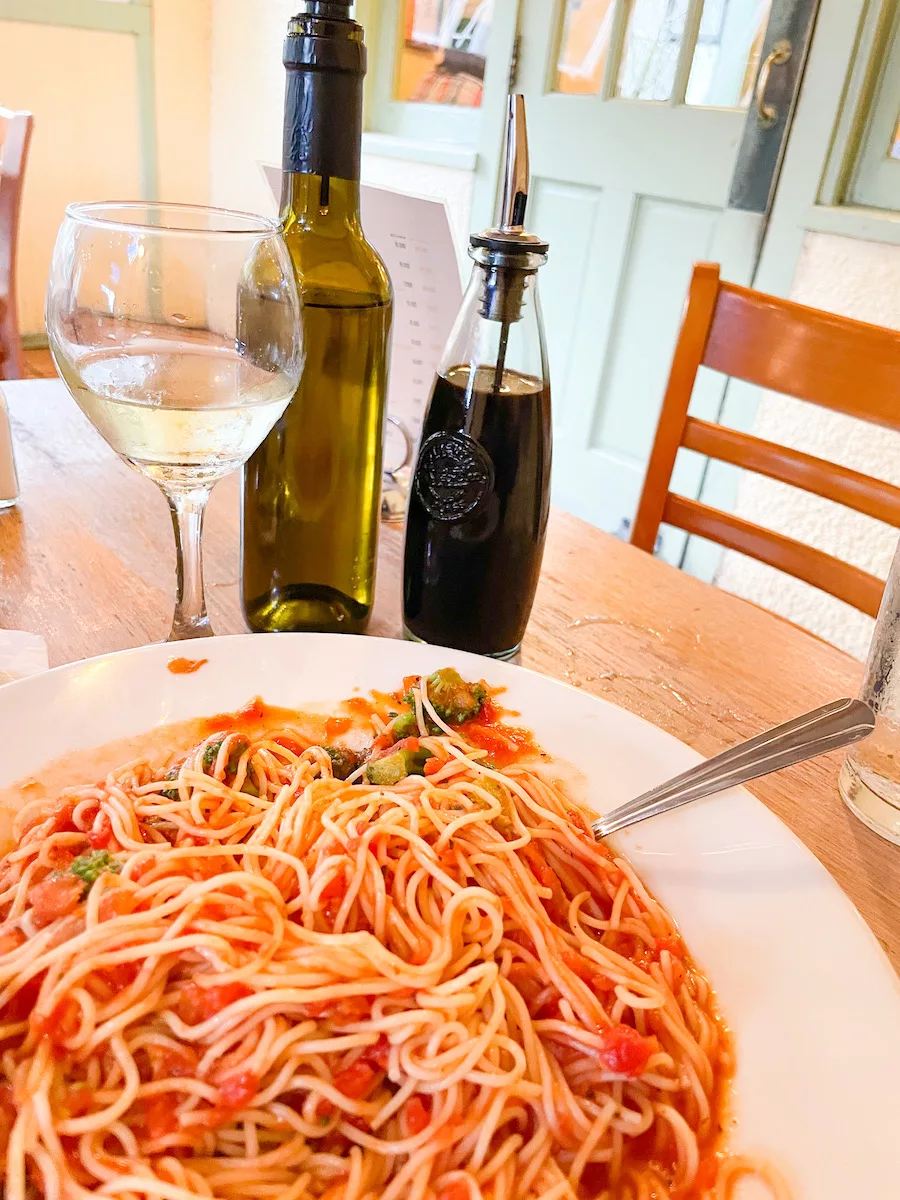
<point>828,728</point>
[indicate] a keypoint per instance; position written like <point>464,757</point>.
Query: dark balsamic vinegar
<point>478,510</point>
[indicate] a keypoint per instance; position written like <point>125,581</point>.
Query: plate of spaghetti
<point>320,918</point>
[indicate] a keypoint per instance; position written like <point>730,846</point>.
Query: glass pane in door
<point>652,43</point>
<point>584,46</point>
<point>441,53</point>
<point>726,58</point>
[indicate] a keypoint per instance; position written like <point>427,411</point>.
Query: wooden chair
<point>839,364</point>
<point>15,134</point>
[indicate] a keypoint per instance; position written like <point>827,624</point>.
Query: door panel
<point>664,237</point>
<point>630,193</point>
<point>578,211</point>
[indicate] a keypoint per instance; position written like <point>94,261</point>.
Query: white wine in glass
<point>177,331</point>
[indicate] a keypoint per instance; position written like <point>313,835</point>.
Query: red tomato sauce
<point>186,666</point>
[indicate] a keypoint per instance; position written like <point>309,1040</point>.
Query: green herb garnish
<point>89,867</point>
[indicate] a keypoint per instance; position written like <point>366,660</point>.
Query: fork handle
<point>837,724</point>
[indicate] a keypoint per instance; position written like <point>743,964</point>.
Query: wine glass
<point>177,330</point>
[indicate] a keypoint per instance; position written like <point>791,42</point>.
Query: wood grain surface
<point>87,561</point>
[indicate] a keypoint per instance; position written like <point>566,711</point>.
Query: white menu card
<point>414,239</point>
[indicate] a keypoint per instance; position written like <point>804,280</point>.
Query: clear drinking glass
<point>870,777</point>
<point>177,330</point>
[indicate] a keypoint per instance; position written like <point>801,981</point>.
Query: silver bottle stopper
<point>508,251</point>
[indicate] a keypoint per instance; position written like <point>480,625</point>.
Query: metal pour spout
<point>517,172</point>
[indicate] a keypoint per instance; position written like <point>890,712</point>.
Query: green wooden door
<point>636,112</point>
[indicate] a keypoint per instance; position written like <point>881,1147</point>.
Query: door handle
<point>767,114</point>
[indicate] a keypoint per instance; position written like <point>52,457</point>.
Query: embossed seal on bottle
<point>453,476</point>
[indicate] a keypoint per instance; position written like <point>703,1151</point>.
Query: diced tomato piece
<point>673,945</point>
<point>410,743</point>
<point>236,1091</point>
<point>378,1054</point>
<point>62,817</point>
<point>55,898</point>
<point>254,711</point>
<point>549,1010</point>
<point>626,1051</point>
<point>332,894</point>
<point>523,978</point>
<point>174,1062</point>
<point>355,1081</point>
<point>289,744</point>
<point>197,1004</point>
<point>381,745</point>
<point>350,1009</point>
<point>101,837</point>
<point>410,682</point>
<point>345,1011</point>
<point>541,869</point>
<point>565,1124</point>
<point>119,976</point>
<point>335,887</point>
<point>116,903</point>
<point>12,941</point>
<point>325,1110</point>
<point>62,857</point>
<point>60,1024</point>
<point>457,1190</point>
<point>22,1003</point>
<point>213,1117</point>
<point>159,1117</point>
<point>545,875</point>
<point>417,1114</point>
<point>587,971</point>
<point>78,1101</point>
<point>433,765</point>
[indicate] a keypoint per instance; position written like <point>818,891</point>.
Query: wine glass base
<point>186,633</point>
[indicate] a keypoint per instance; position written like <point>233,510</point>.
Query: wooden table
<point>87,560</point>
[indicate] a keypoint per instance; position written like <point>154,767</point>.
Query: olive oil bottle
<point>312,492</point>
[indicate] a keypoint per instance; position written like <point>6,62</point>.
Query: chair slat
<point>848,583</point>
<point>847,366</point>
<point>873,497</point>
<point>843,365</point>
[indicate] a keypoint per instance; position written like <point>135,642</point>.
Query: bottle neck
<point>326,61</point>
<point>323,202</point>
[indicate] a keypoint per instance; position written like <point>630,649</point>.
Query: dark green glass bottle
<point>312,492</point>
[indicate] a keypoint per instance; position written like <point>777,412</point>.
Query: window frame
<point>875,182</point>
<point>415,122</point>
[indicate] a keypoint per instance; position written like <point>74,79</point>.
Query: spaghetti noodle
<point>241,976</point>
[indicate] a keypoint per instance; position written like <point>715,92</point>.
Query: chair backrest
<point>15,135</point>
<point>843,365</point>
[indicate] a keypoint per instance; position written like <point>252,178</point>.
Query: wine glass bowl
<point>177,330</point>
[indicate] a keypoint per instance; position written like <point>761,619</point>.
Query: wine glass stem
<point>191,619</point>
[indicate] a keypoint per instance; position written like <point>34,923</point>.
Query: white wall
<point>856,279</point>
<point>85,147</point>
<point>247,104</point>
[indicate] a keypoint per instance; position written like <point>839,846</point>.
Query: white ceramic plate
<point>813,1002</point>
